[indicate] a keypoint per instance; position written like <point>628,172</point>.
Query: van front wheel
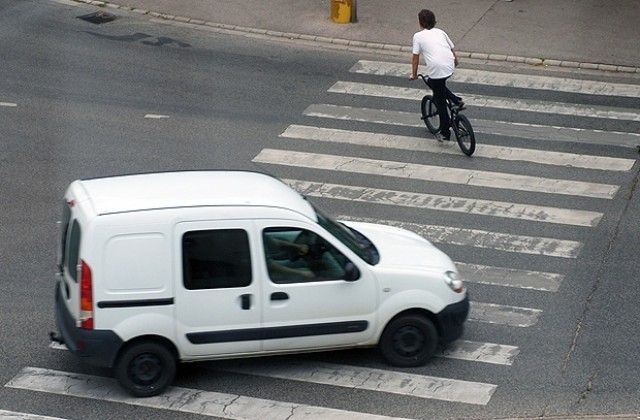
<point>145,369</point>
<point>409,341</point>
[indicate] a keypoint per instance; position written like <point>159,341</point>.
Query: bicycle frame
<point>459,123</point>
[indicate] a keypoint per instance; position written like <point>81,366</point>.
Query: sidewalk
<point>571,33</point>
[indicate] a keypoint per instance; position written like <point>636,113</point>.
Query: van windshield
<point>353,239</point>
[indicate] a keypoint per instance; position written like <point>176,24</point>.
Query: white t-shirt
<point>435,46</point>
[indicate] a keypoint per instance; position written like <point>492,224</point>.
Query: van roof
<point>138,192</point>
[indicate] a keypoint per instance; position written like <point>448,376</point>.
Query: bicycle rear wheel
<point>430,114</point>
<point>464,135</point>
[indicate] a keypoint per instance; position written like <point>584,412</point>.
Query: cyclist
<point>441,59</point>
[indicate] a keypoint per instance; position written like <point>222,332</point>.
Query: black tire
<point>430,114</point>
<point>145,369</point>
<point>409,341</point>
<point>465,135</point>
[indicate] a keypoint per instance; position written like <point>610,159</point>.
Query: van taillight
<point>86,297</point>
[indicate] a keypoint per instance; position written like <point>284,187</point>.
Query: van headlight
<point>454,281</point>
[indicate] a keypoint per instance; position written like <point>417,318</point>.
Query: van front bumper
<point>452,319</point>
<point>95,347</point>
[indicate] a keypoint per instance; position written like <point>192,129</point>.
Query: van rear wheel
<point>409,341</point>
<point>145,369</point>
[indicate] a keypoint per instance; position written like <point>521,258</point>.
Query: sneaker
<point>459,106</point>
<point>442,137</point>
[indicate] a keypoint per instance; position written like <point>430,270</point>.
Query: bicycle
<point>460,124</point>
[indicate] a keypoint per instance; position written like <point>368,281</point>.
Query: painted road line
<point>8,104</point>
<point>509,277</point>
<point>521,81</point>
<point>355,377</point>
<point>505,242</point>
<point>156,116</point>
<point>513,316</point>
<point>546,107</point>
<point>185,400</point>
<point>12,415</point>
<point>501,128</point>
<point>498,354</point>
<point>447,203</point>
<point>474,178</point>
<point>58,346</point>
<point>553,133</point>
<point>372,139</point>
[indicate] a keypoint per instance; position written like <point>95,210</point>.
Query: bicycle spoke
<point>464,134</point>
<point>430,114</point>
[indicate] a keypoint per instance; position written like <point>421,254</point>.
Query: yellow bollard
<point>341,11</point>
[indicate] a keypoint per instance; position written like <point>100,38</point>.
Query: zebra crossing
<point>507,315</point>
<point>388,381</point>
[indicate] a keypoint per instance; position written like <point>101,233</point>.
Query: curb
<point>368,45</point>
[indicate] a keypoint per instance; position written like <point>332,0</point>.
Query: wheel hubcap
<point>145,369</point>
<point>409,341</point>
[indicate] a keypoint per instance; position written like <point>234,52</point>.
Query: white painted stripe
<point>57,346</point>
<point>498,276</point>
<point>371,139</point>
<point>354,377</point>
<point>554,133</point>
<point>156,116</point>
<point>8,104</point>
<point>547,107</point>
<point>513,316</point>
<point>464,350</point>
<point>12,415</point>
<point>498,354</point>
<point>185,400</point>
<point>483,239</point>
<point>66,2</point>
<point>493,78</point>
<point>447,203</point>
<point>436,173</point>
<point>501,128</point>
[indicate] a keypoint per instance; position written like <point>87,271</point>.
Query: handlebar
<point>424,78</point>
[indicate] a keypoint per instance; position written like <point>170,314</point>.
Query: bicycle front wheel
<point>430,114</point>
<point>464,135</point>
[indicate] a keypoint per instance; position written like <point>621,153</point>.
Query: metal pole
<point>354,11</point>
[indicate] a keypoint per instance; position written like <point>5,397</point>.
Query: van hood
<point>400,247</point>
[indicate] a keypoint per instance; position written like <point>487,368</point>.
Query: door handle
<point>245,302</point>
<point>279,296</point>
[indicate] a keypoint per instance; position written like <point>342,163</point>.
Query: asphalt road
<point>133,95</point>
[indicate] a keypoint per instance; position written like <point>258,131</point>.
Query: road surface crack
<point>600,273</point>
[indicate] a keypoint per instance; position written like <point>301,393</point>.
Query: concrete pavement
<point>589,34</point>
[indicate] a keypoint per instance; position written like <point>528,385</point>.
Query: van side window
<point>73,250</point>
<point>216,259</point>
<point>295,255</point>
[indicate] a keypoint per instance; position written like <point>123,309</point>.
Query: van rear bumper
<point>95,347</point>
<point>452,319</point>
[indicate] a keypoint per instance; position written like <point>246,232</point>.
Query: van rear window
<point>73,250</point>
<point>216,259</point>
<point>64,227</point>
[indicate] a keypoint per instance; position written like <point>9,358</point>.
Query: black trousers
<point>440,95</point>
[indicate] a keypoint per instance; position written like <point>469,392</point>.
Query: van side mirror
<point>351,272</point>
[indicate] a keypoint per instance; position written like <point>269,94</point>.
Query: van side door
<point>218,309</point>
<point>317,293</point>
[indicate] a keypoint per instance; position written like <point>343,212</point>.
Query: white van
<point>156,269</point>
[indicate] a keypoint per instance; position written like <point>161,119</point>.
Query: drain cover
<point>98,17</point>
